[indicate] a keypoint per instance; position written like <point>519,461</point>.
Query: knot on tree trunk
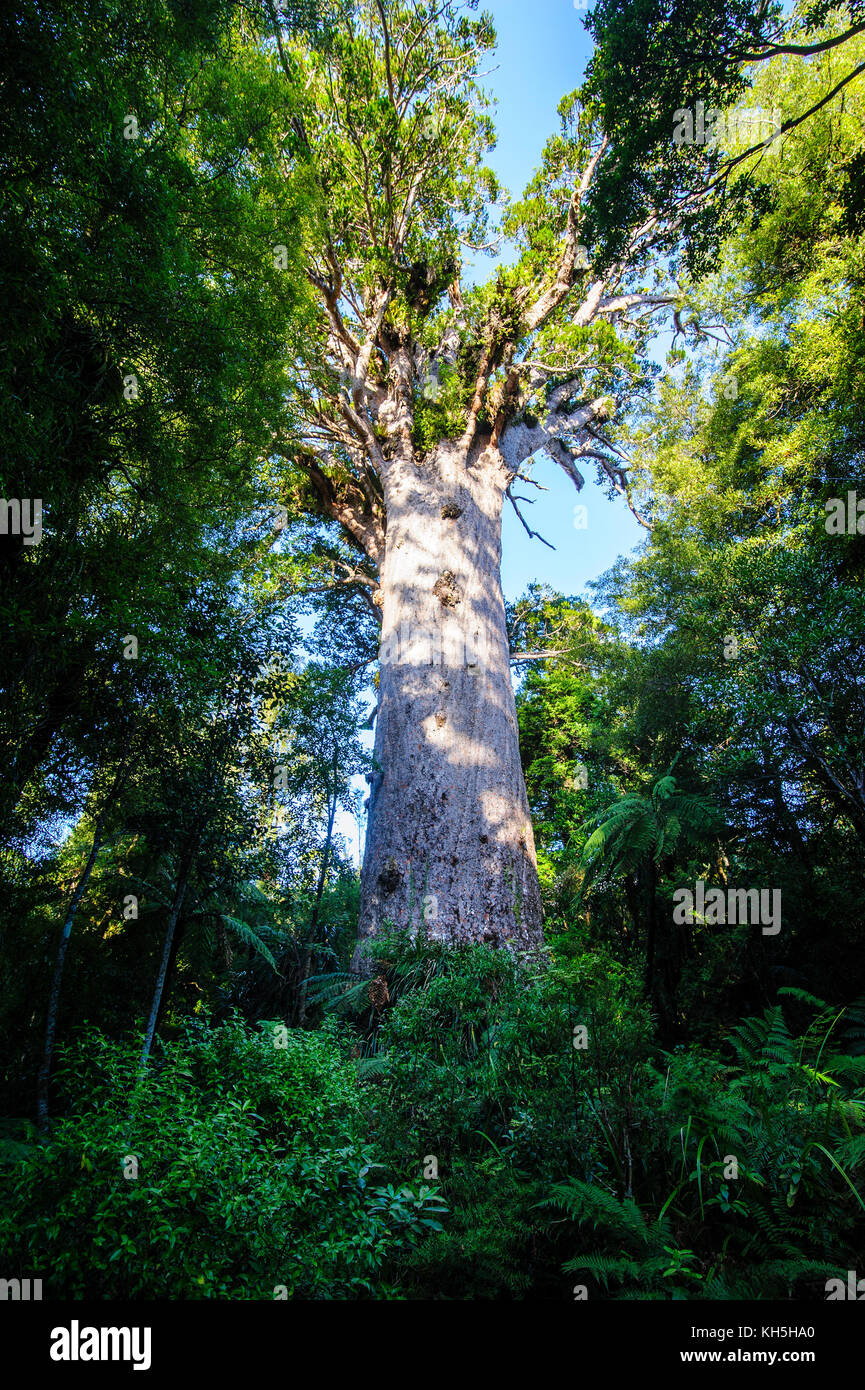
<point>446,590</point>
<point>450,511</point>
<point>390,877</point>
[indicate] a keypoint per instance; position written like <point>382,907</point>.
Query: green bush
<point>457,1146</point>
<point>754,1192</point>
<point>476,1067</point>
<point>253,1180</point>
<point>609,1164</point>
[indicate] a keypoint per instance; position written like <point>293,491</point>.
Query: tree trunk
<point>57,979</point>
<point>651,928</point>
<point>449,848</point>
<point>174,913</point>
<point>316,907</point>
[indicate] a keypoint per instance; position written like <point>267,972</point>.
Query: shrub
<point>252,1175</point>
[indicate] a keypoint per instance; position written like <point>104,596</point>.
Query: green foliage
<point>638,828</point>
<point>764,1155</point>
<point>730,646</point>
<point>477,1068</point>
<point>285,1158</point>
<point>252,1174</point>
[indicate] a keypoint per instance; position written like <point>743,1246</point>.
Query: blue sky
<point>542,52</point>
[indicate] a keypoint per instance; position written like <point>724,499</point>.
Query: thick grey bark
<point>449,848</point>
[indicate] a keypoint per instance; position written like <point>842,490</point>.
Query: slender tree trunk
<point>661,980</point>
<point>651,929</point>
<point>316,907</point>
<point>632,898</point>
<point>449,846</point>
<point>174,913</point>
<point>57,979</point>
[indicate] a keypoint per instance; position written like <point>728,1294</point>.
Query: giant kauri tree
<point>422,400</point>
